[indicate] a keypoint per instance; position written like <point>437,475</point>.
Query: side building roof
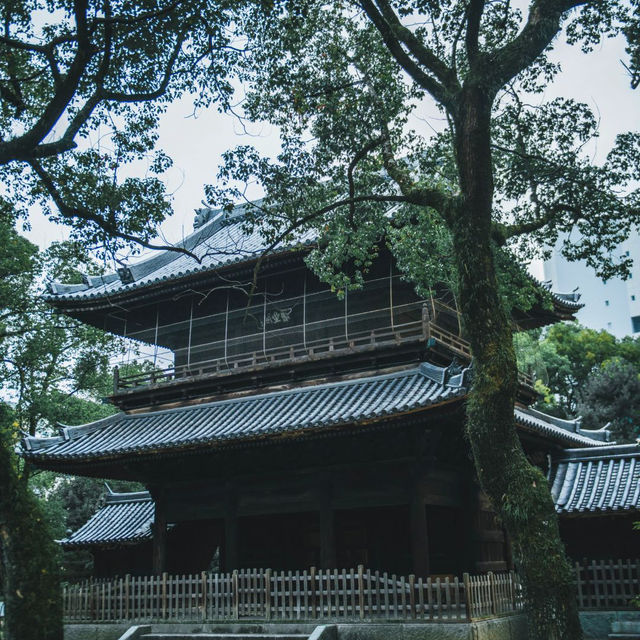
<point>299,411</point>
<point>124,519</point>
<point>603,480</point>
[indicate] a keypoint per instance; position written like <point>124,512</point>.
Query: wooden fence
<point>607,584</point>
<point>293,595</point>
<point>355,594</point>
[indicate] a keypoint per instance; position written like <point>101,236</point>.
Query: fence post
<point>203,576</point>
<point>468,596</point>
<point>126,596</point>
<point>267,594</point>
<point>361,591</point>
<point>164,595</point>
<point>312,575</point>
<point>412,595</point>
<point>492,592</point>
<point>512,584</point>
<point>236,598</point>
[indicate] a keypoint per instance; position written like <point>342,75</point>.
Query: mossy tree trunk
<point>30,568</point>
<point>517,490</point>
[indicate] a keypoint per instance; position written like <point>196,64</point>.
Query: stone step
<point>224,636</point>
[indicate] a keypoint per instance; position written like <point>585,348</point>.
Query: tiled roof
<point>222,240</point>
<point>599,480</point>
<point>125,518</point>
<point>260,416</point>
<point>219,240</point>
<point>568,432</point>
<point>256,416</point>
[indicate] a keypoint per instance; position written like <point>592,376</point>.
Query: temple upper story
<point>216,323</point>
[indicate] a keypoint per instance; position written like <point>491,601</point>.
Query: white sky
<point>197,143</point>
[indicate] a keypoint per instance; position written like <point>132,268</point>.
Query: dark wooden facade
<point>393,492</point>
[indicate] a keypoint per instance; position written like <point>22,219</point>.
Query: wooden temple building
<point>286,427</point>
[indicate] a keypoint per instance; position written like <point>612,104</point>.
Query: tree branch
<point>475,9</point>
<point>71,211</point>
<point>15,149</point>
<point>352,165</point>
<point>417,48</point>
<point>426,81</point>
<point>150,95</point>
<point>542,26</point>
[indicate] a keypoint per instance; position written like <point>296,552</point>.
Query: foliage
<point>508,175</point>
<point>51,365</point>
<point>51,369</point>
<point>612,396</point>
<point>582,371</point>
<point>82,85</point>
<point>29,556</point>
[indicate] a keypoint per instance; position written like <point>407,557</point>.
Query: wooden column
<point>327,528</point>
<point>419,531</point>
<point>160,532</point>
<point>230,560</point>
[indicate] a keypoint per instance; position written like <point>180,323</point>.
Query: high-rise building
<point>612,305</point>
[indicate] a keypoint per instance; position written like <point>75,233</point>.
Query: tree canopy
<point>82,85</point>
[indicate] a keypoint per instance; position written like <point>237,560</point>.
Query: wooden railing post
<point>468,596</point>
<point>116,379</point>
<point>412,595</point>
<point>312,574</point>
<point>361,591</point>
<point>126,596</point>
<point>164,595</point>
<point>236,595</point>
<point>267,594</point>
<point>203,577</point>
<point>492,592</point>
<point>426,322</point>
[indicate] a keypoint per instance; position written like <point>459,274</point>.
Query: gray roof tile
<point>125,518</point>
<point>597,480</point>
<point>219,242</point>
<point>268,414</point>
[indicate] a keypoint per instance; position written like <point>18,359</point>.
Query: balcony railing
<point>428,329</point>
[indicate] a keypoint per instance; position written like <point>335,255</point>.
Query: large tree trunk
<point>30,568</point>
<point>517,490</point>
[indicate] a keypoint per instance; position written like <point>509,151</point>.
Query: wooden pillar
<point>160,532</point>
<point>230,561</point>
<point>419,531</point>
<point>327,528</point>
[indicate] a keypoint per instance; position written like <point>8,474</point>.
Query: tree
<point>82,85</point>
<point>28,554</point>
<point>612,395</point>
<point>567,359</point>
<point>51,368</point>
<point>508,173</point>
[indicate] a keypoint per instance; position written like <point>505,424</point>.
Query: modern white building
<point>612,305</point>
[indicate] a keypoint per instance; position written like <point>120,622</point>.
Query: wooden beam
<point>160,532</point>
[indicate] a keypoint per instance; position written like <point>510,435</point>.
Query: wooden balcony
<point>343,352</point>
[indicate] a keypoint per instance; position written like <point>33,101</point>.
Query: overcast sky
<point>196,142</point>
